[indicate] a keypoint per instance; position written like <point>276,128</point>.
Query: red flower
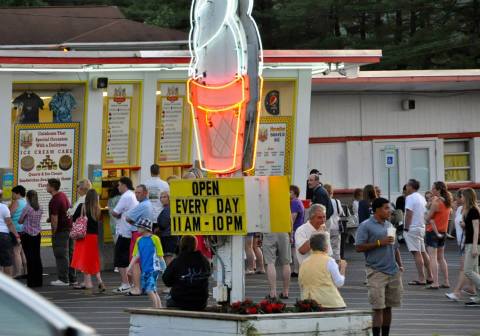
<point>236,305</point>
<point>252,310</point>
<point>267,308</point>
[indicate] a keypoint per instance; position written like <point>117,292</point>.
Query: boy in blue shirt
<point>149,250</point>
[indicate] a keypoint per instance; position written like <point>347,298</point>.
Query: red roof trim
<point>318,140</point>
<point>281,58</point>
<point>94,60</point>
<point>451,186</point>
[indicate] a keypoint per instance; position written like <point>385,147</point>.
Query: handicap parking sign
<point>390,154</point>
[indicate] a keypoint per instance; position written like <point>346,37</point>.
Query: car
<point>24,312</point>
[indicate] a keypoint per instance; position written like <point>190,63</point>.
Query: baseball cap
<point>144,223</point>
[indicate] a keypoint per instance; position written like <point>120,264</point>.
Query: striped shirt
<point>31,220</point>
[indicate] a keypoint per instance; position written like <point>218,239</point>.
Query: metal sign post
<point>390,162</point>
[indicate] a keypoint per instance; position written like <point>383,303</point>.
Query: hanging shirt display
<point>27,105</point>
<point>61,105</point>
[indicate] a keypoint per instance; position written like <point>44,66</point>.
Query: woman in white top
<point>462,281</point>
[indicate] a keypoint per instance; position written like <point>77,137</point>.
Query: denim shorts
<point>6,249</point>
<point>149,281</point>
<point>432,240</point>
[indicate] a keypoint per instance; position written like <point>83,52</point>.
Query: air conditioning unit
<point>99,83</point>
<point>408,104</point>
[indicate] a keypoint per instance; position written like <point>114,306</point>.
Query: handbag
<point>79,227</point>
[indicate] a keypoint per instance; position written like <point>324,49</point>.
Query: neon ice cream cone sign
<point>224,83</point>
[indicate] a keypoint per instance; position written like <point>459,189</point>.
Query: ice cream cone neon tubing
<point>218,88</point>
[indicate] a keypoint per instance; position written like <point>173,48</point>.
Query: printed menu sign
<point>171,122</point>
<point>44,151</point>
<point>118,125</point>
<point>271,149</point>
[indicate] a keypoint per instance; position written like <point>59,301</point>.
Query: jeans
<point>62,250</point>
<point>31,248</point>
<point>470,268</point>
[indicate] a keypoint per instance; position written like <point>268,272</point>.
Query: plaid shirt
<point>31,220</point>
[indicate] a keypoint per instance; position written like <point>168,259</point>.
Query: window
<point>457,160</point>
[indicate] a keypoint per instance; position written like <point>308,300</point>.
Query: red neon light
<point>219,113</point>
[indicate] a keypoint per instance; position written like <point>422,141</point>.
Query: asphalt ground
<point>423,312</point>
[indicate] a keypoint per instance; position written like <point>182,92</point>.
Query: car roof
<point>51,313</point>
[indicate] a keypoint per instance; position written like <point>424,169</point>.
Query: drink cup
<point>391,232</point>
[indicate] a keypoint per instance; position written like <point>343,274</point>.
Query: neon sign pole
<point>224,90</point>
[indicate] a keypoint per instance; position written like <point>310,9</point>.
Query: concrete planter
<point>145,322</point>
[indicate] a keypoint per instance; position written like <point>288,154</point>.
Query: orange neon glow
<point>219,123</point>
<point>257,123</point>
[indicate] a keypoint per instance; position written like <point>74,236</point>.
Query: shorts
<point>148,281</point>
<point>277,242</point>
<point>432,240</point>
<point>121,257</point>
<point>384,291</point>
<point>6,250</point>
<point>135,236</point>
<point>169,245</point>
<point>415,240</point>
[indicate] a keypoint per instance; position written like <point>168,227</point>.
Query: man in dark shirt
<point>61,225</point>
<point>309,191</point>
<point>319,194</point>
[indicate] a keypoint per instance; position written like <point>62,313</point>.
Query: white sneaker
<point>452,296</point>
<point>122,289</point>
<point>166,291</point>
<point>115,269</point>
<point>58,283</point>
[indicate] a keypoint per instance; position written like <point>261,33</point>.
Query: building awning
<point>91,61</point>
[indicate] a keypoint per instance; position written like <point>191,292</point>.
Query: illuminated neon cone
<point>219,88</point>
<point>219,121</point>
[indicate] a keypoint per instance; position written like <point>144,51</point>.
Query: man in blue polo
<point>144,209</point>
<point>384,265</point>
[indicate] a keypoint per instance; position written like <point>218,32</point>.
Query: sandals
<point>417,283</point>
<point>283,296</point>
<point>444,286</point>
<point>101,287</point>
<point>432,287</point>
<point>249,272</point>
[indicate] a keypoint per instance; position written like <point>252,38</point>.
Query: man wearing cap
<point>320,195</point>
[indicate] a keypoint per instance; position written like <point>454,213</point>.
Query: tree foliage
<point>413,34</point>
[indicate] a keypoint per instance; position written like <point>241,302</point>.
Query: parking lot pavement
<point>422,313</point>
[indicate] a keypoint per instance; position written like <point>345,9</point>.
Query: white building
<point>431,118</point>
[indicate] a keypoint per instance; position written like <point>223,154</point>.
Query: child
<point>149,250</point>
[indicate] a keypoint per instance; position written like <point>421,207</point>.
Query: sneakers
<point>122,289</point>
<point>58,283</point>
<point>452,296</point>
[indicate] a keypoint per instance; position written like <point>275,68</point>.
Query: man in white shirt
<point>315,224</point>
<point>415,208</point>
<point>127,202</point>
<point>155,187</point>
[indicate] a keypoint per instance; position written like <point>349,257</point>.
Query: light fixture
<point>105,93</point>
<point>158,93</point>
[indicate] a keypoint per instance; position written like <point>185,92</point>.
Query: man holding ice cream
<point>376,238</point>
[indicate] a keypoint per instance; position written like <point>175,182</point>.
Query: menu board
<point>271,144</point>
<point>171,115</point>
<point>44,151</point>
<point>119,108</point>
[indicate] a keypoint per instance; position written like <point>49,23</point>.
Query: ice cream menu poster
<point>118,125</point>
<point>271,149</point>
<point>171,122</point>
<point>44,151</point>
